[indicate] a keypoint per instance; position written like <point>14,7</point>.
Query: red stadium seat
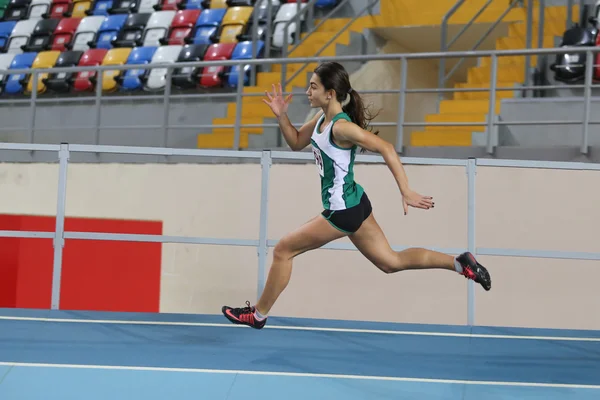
<point>91,57</point>
<point>212,76</point>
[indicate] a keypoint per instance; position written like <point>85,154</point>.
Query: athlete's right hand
<point>278,104</point>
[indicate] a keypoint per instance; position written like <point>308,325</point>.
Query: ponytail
<point>358,113</point>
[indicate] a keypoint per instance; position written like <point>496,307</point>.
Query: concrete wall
<point>70,120</point>
<point>515,208</point>
<point>547,109</point>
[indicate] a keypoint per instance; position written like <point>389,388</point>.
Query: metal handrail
<point>442,76</point>
<point>346,26</point>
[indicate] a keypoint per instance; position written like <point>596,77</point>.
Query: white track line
<point>301,375</point>
<point>304,328</point>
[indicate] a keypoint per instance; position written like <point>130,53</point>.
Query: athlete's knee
<point>283,250</point>
<point>389,265</point>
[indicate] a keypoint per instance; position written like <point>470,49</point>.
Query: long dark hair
<point>334,76</point>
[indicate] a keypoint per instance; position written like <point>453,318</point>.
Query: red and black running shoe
<point>475,271</point>
<point>243,316</point>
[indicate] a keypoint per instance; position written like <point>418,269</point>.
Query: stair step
<point>441,138</point>
<point>251,111</point>
<point>456,118</point>
<point>503,94</point>
<point>459,106</point>
<point>505,73</point>
<point>244,121</point>
<point>220,140</point>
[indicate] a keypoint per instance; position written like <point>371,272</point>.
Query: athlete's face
<point>317,95</point>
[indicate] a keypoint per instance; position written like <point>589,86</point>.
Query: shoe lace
<point>247,313</point>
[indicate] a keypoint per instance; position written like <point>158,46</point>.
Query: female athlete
<point>335,132</point>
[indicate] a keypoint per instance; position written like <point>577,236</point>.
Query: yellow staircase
<point>393,13</point>
<point>472,107</point>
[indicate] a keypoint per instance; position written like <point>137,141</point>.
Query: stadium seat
<point>44,59</point>
<point>6,29</point>
<point>123,7</point>
<point>13,84</point>
<point>156,79</point>
<point>16,10</point>
<point>5,61</point>
<point>59,8</point>
<point>243,51</point>
<point>83,80</point>
<point>132,30</point>
<point>64,32</point>
<point>108,31</point>
<point>180,28</point>
<point>206,25</point>
<point>79,8</point>
<point>167,5</point>
<point>20,35</point>
<point>147,6</point>
<point>86,32</point>
<point>234,22</point>
<point>286,12</point>
<point>62,81</point>
<point>113,57</point>
<point>156,28</point>
<point>38,8</point>
<point>262,20</point>
<point>100,7</point>
<point>242,3</point>
<point>187,77</point>
<point>130,79</point>
<point>41,37</point>
<point>326,3</point>
<point>3,4</point>
<point>190,5</point>
<point>213,76</point>
<point>214,4</point>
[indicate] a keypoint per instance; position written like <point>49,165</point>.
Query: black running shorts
<point>350,219</point>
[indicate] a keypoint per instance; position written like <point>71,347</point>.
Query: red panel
<point>96,275</point>
<point>9,250</point>
<point>111,275</point>
<point>34,280</point>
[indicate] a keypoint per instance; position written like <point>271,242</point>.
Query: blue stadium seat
<point>190,5</point>
<point>326,3</point>
<point>14,83</point>
<point>108,31</point>
<point>243,51</point>
<point>130,79</point>
<point>100,7</point>
<point>207,24</point>
<point>6,29</point>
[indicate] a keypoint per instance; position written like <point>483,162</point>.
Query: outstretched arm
<point>350,132</point>
<point>297,139</point>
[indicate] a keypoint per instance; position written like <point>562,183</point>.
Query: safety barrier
<point>263,242</point>
<point>492,123</point>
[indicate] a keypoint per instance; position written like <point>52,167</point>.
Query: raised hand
<point>276,102</point>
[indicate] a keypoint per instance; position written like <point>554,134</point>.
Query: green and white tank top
<point>336,168</point>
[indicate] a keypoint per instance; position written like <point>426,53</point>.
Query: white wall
<point>516,208</point>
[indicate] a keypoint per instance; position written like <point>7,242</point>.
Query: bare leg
<point>372,243</point>
<point>312,235</point>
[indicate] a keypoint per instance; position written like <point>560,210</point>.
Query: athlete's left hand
<point>414,199</point>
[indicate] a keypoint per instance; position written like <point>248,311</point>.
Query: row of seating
<point>16,10</point>
<point>224,25</point>
<point>127,80</point>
